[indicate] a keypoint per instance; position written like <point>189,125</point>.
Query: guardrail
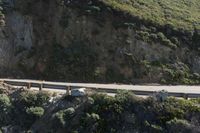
<point>70,86</point>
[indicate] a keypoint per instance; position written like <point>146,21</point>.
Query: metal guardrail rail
<point>70,86</point>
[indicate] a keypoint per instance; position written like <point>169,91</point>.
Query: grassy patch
<point>178,13</point>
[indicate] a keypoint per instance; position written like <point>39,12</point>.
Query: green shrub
<point>35,112</point>
<point>167,42</point>
<point>126,98</point>
<point>89,122</point>
<point>156,129</point>
<point>43,98</point>
<point>161,36</point>
<point>152,128</point>
<point>144,35</point>
<point>157,112</point>
<point>102,99</point>
<point>91,118</point>
<point>30,106</point>
<point>178,73</point>
<point>154,36</point>
<point>62,117</point>
<point>31,115</point>
<point>185,105</point>
<point>5,109</point>
<point>90,101</point>
<point>196,100</point>
<point>29,99</point>
<point>175,40</point>
<point>179,126</point>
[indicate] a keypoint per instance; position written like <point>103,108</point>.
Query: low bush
<point>143,35</point>
<point>32,114</point>
<point>5,109</point>
<point>154,36</point>
<point>29,99</point>
<point>168,43</point>
<point>35,112</point>
<point>179,126</point>
<point>30,105</point>
<point>62,117</point>
<point>175,40</point>
<point>161,36</point>
<point>179,73</point>
<point>90,122</point>
<point>90,119</point>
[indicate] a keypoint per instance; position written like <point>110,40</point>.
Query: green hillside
<point>178,13</point>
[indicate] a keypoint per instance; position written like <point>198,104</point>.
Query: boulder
<point>78,92</point>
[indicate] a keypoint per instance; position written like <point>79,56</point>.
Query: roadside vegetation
<point>28,111</point>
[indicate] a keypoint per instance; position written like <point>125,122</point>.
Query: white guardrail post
<point>29,85</point>
<point>68,88</point>
<point>40,86</point>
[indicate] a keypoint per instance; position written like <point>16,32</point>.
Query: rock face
<point>54,41</point>
<point>78,92</point>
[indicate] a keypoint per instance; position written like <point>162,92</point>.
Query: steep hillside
<point>124,41</point>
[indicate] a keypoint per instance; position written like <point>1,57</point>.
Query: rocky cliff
<point>89,41</point>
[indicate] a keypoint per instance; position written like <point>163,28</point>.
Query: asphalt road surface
<point>173,89</point>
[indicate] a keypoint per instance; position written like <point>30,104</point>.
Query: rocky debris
<point>78,92</point>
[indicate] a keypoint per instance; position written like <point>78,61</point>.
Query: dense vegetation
<point>178,13</point>
<point>31,111</point>
<point>170,22</point>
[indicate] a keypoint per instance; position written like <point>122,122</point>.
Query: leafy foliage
<point>178,13</point>
<point>101,113</point>
<point>179,126</point>
<point>32,114</point>
<point>28,99</point>
<point>35,111</point>
<point>141,114</point>
<point>62,117</point>
<point>30,105</point>
<point>5,109</point>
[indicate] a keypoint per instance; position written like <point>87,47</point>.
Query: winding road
<point>179,90</point>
